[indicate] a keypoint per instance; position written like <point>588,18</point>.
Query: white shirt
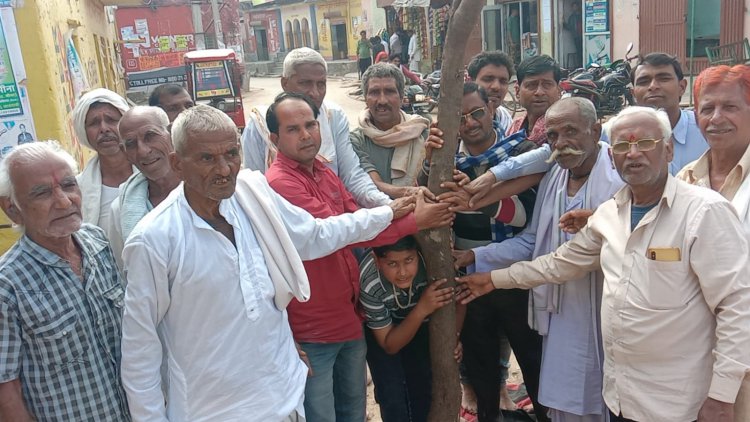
<point>674,331</point>
<point>230,351</point>
<point>415,52</point>
<point>395,43</point>
<point>108,195</point>
<point>503,117</point>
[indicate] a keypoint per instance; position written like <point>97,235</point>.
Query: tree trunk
<point>436,244</point>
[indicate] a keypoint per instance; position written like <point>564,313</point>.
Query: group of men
<point>165,283</point>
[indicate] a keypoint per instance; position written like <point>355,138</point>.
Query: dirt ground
<point>373,411</point>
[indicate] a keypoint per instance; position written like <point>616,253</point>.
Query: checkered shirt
<point>59,336</point>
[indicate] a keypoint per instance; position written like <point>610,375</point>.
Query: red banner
<point>154,38</point>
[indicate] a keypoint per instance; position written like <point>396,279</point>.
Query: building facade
<point>52,52</point>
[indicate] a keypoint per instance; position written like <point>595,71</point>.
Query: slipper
<point>522,404</point>
<point>468,415</point>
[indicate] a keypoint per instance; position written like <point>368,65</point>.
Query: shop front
<point>264,35</point>
<point>513,27</point>
<point>333,32</point>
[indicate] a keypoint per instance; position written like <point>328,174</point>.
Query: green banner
<point>10,101</point>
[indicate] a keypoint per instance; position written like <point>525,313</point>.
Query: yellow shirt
<point>696,173</point>
<point>674,331</point>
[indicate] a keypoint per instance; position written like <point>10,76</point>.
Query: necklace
<point>395,296</point>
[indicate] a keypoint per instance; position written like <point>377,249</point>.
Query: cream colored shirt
<point>673,332</point>
<point>696,173</point>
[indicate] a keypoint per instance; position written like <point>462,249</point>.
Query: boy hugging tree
<point>397,302</point>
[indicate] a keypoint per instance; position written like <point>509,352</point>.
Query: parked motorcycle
<point>431,84</point>
<point>416,101</point>
<point>608,87</point>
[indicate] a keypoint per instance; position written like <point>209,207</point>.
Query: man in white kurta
<point>210,271</point>
<point>305,73</point>
<point>567,316</point>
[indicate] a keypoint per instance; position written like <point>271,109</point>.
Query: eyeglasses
<point>642,145</point>
<point>475,114</point>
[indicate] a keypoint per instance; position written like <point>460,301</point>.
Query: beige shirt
<point>696,173</point>
<point>661,320</point>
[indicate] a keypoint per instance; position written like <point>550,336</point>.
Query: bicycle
<point>512,104</point>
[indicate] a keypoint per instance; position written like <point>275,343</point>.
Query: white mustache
<point>565,151</point>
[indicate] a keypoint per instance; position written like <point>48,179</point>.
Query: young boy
<point>397,301</point>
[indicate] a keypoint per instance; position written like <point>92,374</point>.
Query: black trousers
<point>505,309</point>
<point>403,381</point>
<point>363,65</point>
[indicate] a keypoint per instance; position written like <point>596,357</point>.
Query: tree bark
<point>436,244</point>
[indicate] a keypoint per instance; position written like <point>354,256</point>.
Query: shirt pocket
<point>60,341</point>
<point>668,284</point>
<point>115,295</point>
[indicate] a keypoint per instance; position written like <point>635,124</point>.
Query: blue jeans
<point>337,390</point>
<point>403,382</point>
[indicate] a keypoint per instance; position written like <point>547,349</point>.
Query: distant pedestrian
<point>384,43</point>
<point>404,36</point>
<point>364,53</point>
<point>395,41</point>
<point>377,49</point>
<point>415,52</point>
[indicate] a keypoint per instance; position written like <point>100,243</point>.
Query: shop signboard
<point>154,42</point>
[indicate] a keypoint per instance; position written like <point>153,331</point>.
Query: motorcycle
<point>416,101</point>
<point>608,87</point>
<point>431,84</point>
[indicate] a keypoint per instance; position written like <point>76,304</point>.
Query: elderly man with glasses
<point>676,300</point>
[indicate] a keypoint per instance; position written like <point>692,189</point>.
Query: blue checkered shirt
<point>61,336</point>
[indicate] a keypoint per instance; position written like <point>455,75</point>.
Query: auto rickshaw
<point>214,77</point>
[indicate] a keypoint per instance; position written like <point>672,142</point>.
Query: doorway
<point>512,27</point>
<point>261,41</point>
<point>338,41</point>
<point>569,34</point>
<point>492,28</point>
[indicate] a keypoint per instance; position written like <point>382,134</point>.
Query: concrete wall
<point>42,25</point>
<point>624,18</point>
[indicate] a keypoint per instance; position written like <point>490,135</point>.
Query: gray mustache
<point>565,151</point>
